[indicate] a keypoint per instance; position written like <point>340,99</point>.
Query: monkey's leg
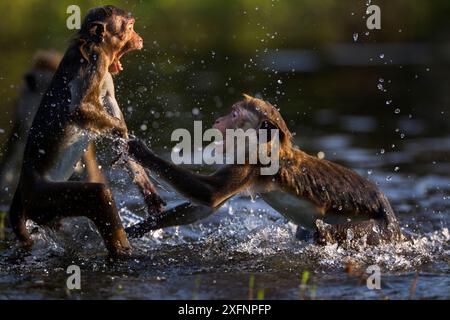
<point>376,231</point>
<point>183,214</point>
<point>55,200</point>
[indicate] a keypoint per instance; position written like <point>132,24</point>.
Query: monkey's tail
<point>18,220</point>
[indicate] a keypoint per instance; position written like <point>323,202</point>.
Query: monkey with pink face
<point>306,190</point>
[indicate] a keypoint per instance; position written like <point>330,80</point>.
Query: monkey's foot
<point>118,245</point>
<point>140,229</point>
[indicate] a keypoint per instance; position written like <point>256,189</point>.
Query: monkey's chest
<point>70,152</point>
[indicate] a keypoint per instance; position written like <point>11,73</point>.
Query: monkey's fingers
<point>120,147</point>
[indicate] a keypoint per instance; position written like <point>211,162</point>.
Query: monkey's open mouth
<point>116,65</point>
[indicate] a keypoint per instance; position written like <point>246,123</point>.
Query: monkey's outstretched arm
<point>182,214</point>
<point>209,190</point>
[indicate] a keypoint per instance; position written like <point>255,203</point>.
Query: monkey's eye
<point>234,114</point>
<point>130,26</point>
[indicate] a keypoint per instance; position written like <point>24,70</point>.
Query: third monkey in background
<point>34,84</point>
<point>306,190</point>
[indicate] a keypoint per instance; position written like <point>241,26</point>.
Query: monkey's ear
<point>97,31</point>
<point>269,126</point>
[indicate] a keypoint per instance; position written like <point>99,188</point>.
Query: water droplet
<point>369,172</point>
<point>388,102</point>
<point>397,111</point>
<point>350,234</point>
<point>396,169</point>
<point>382,151</point>
<point>388,178</point>
<point>355,37</point>
<point>381,55</point>
<point>279,81</point>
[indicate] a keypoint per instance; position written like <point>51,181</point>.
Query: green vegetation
<point>251,285</point>
<point>196,287</point>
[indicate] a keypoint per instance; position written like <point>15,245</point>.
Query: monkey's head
<point>111,30</point>
<point>257,114</point>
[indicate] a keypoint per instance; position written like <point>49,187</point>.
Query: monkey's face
<point>112,30</point>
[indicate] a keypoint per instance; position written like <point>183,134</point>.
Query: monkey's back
<point>51,136</point>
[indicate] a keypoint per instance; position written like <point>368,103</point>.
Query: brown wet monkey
<point>35,83</point>
<point>305,189</point>
<point>78,106</point>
